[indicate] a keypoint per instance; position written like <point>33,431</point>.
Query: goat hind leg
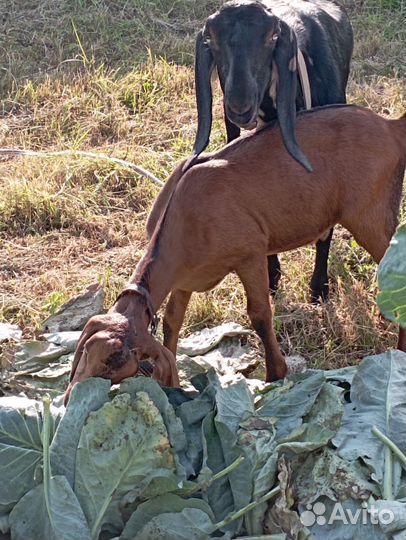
<point>375,238</point>
<point>274,273</point>
<point>173,318</point>
<point>319,288</point>
<point>254,277</point>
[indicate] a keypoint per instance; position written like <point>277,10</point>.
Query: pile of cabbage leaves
<point>141,462</point>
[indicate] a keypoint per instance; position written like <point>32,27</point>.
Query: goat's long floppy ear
<point>284,83</point>
<point>204,64</point>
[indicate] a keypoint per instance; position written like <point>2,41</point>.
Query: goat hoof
<point>274,283</point>
<point>272,290</point>
<point>319,294</point>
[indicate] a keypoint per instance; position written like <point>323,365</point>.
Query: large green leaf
<point>17,473</point>
<point>233,401</point>
<point>233,491</point>
<point>61,519</point>
<point>20,423</point>
<point>20,447</point>
<point>289,403</point>
<point>168,503</point>
<point>319,425</point>
<point>192,413</point>
<point>257,437</point>
<point>392,279</point>
<point>378,398</point>
<point>173,424</point>
<point>190,524</point>
<point>158,482</point>
<point>121,443</point>
<point>86,396</point>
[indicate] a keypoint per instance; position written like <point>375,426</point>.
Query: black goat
<point>254,46</point>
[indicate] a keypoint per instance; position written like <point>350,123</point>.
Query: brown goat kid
<point>231,210</point>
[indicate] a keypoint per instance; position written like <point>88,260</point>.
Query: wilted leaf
<point>33,356</point>
<point>281,517</point>
<point>327,410</point>
<point>326,474</point>
<point>229,359</point>
<point>54,370</point>
<point>74,314</point>
<point>10,332</point>
<point>68,340</point>
<point>61,518</point>
<point>392,279</point>
<point>205,340</point>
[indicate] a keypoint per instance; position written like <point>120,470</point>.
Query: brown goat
<point>231,210</point>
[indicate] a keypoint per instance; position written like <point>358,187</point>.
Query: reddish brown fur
<point>236,206</point>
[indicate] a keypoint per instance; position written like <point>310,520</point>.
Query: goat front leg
<point>254,277</point>
<point>319,288</point>
<point>173,318</point>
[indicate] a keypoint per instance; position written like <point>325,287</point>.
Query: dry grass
<point>81,77</point>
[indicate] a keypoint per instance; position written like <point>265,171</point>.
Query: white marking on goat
<point>261,120</point>
<point>293,64</point>
<point>261,114</point>
<point>304,79</point>
<point>261,124</point>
